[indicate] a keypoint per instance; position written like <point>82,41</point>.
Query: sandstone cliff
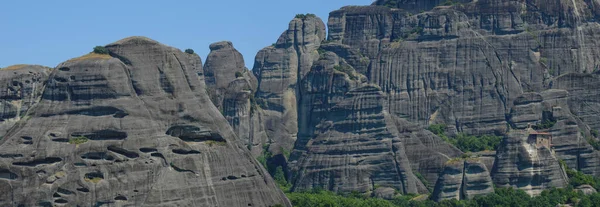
<point>135,127</point>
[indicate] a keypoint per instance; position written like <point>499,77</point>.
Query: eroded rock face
<point>133,128</point>
<point>21,87</point>
<point>281,68</point>
<point>523,165</point>
<point>463,179</point>
<point>568,141</point>
<point>347,141</point>
<point>231,87</point>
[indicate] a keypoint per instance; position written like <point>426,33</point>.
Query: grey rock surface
<point>463,179</point>
<point>280,69</point>
<point>135,128</point>
<point>21,87</point>
<point>522,165</point>
<point>231,87</point>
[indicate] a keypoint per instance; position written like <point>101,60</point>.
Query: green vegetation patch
<point>100,50</point>
<point>501,197</point>
<point>467,143</point>
<point>78,140</point>
<point>238,74</point>
<point>346,69</point>
<point>189,51</point>
<point>305,16</point>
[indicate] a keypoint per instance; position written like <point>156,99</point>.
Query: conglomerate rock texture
<point>133,128</point>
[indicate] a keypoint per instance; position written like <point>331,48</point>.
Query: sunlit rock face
<point>134,127</point>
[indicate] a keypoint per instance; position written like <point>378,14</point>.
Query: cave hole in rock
<point>121,198</point>
<point>124,152</point>
<point>102,135</point>
<point>61,201</point>
<point>84,190</point>
<point>185,152</point>
<point>44,161</point>
<point>191,133</point>
<point>64,69</point>
<point>148,150</point>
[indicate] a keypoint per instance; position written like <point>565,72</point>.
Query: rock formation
<point>21,87</point>
<point>463,179</point>
<point>523,165</point>
<point>231,87</point>
<point>466,65</point>
<point>281,67</point>
<point>131,128</point>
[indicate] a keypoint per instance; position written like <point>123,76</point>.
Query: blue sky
<point>48,32</point>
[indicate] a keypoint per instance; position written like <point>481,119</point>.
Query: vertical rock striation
<point>463,179</point>
<point>280,68</point>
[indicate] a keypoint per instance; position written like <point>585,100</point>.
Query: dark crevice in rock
<point>64,69</point>
<point>84,190</point>
<point>191,133</point>
<point>94,175</point>
<point>61,201</point>
<point>159,155</point>
<point>27,138</point>
<point>180,169</point>
<point>231,177</point>
<point>45,161</point>
<point>94,111</point>
<point>185,152</point>
<point>120,198</point>
<point>165,85</point>
<point>148,150</point>
<point>121,58</point>
<point>126,153</point>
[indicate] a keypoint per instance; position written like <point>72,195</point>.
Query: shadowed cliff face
<point>135,127</point>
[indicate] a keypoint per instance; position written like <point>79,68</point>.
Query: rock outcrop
<point>231,87</point>
<point>135,127</point>
<point>523,165</point>
<point>21,87</point>
<point>463,179</point>
<point>547,110</point>
<point>346,141</point>
<point>280,68</point>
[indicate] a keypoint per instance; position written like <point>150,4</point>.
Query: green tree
<point>100,50</point>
